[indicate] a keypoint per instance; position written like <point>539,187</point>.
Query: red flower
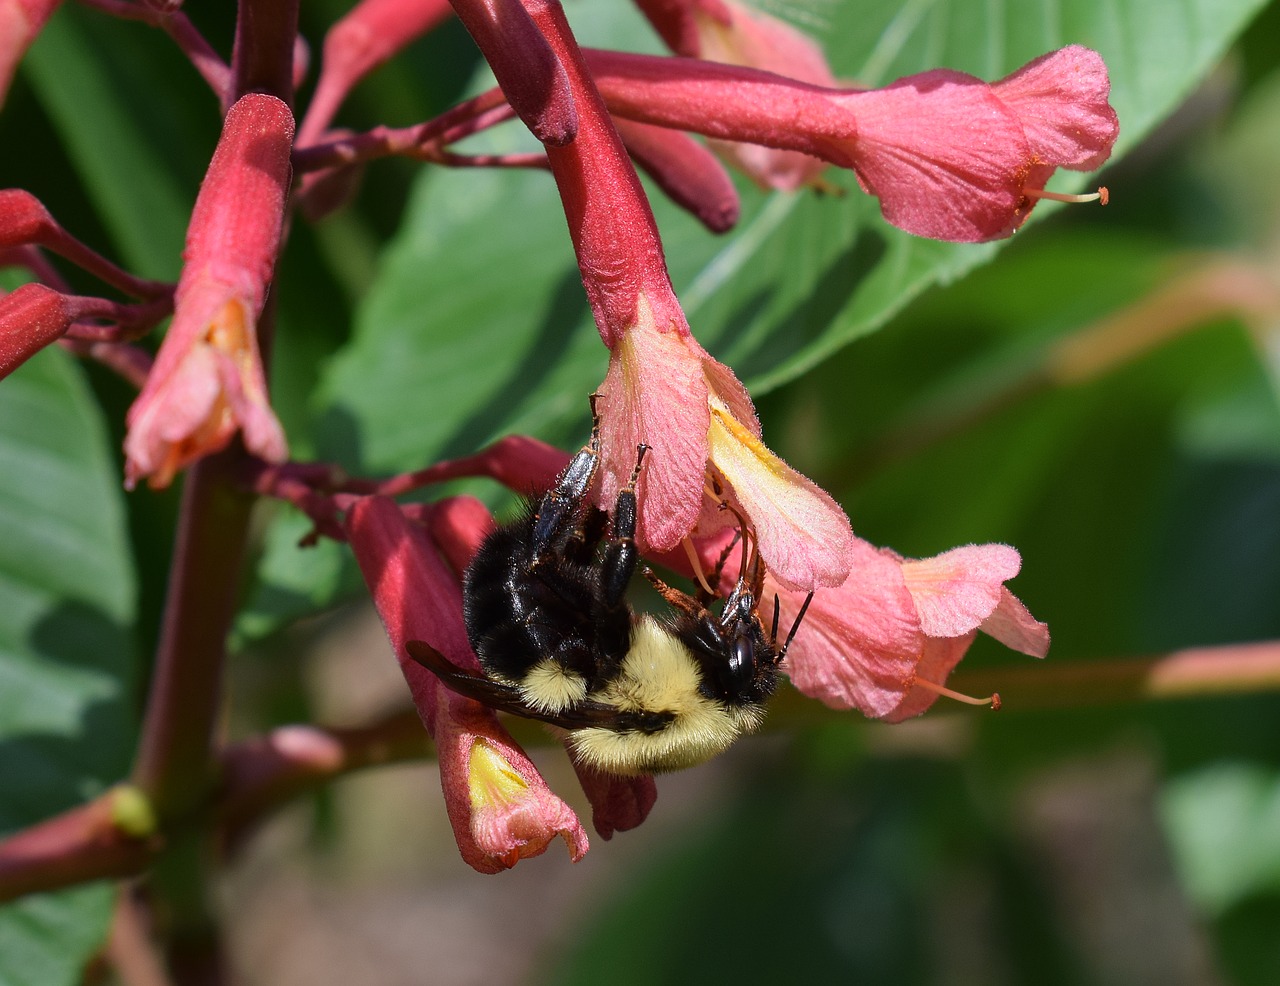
<point>500,807</point>
<point>662,389</point>
<point>948,155</point>
<point>208,381</point>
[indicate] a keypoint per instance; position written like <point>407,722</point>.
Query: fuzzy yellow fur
<point>548,687</point>
<point>660,675</point>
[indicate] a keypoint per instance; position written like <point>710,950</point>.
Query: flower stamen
<point>992,700</point>
<point>696,564</point>
<point>1102,196</point>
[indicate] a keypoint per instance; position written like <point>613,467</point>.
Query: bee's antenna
<point>773,634</point>
<point>794,626</point>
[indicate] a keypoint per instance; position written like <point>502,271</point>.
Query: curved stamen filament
<point>696,564</point>
<point>750,553</point>
<point>1101,196</point>
<point>992,700</point>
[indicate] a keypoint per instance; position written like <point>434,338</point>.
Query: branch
<point>89,842</point>
<point>1198,672</point>
<point>261,774</point>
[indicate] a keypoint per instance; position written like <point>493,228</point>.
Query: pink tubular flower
<point>499,806</point>
<point>885,641</point>
<point>458,525</point>
<point>949,156</point>
<point>662,389</point>
<point>727,32</point>
<point>208,381</point>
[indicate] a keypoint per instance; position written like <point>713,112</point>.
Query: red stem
<point>77,846</point>
<point>257,776</point>
<point>174,765</point>
<point>463,120</point>
<point>262,59</point>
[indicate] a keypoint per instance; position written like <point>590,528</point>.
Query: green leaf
<point>67,725</point>
<point>124,102</point>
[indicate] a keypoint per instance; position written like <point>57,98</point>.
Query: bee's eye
<point>742,660</point>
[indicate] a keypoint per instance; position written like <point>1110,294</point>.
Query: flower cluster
<point>948,156</point>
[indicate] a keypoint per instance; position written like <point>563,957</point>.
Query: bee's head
<point>738,661</point>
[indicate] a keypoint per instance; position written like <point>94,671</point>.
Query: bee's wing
<point>507,698</point>
<point>484,690</point>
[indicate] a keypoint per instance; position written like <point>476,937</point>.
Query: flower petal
<point>1014,626</point>
<point>655,393</point>
<point>618,804</point>
<point>804,537</point>
<point>859,643</point>
<point>958,589</point>
<point>513,815</point>
<point>1061,99</point>
<point>943,154</point>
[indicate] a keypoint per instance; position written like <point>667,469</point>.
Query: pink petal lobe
<point>513,815</point>
<point>958,589</point>
<point>655,393</point>
<point>804,537</point>
<point>859,643</point>
<point>942,153</point>
<point>618,804</point>
<point>1013,625</point>
<point>1061,99</point>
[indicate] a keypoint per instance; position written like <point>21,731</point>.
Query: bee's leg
<point>581,545</point>
<point>560,509</point>
<point>620,557</point>
<point>680,600</point>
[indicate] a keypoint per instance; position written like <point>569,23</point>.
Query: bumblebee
<point>546,613</point>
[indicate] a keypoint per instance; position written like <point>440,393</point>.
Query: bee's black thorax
<point>521,607</point>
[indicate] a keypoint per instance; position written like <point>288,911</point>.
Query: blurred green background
<point>926,385</point>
